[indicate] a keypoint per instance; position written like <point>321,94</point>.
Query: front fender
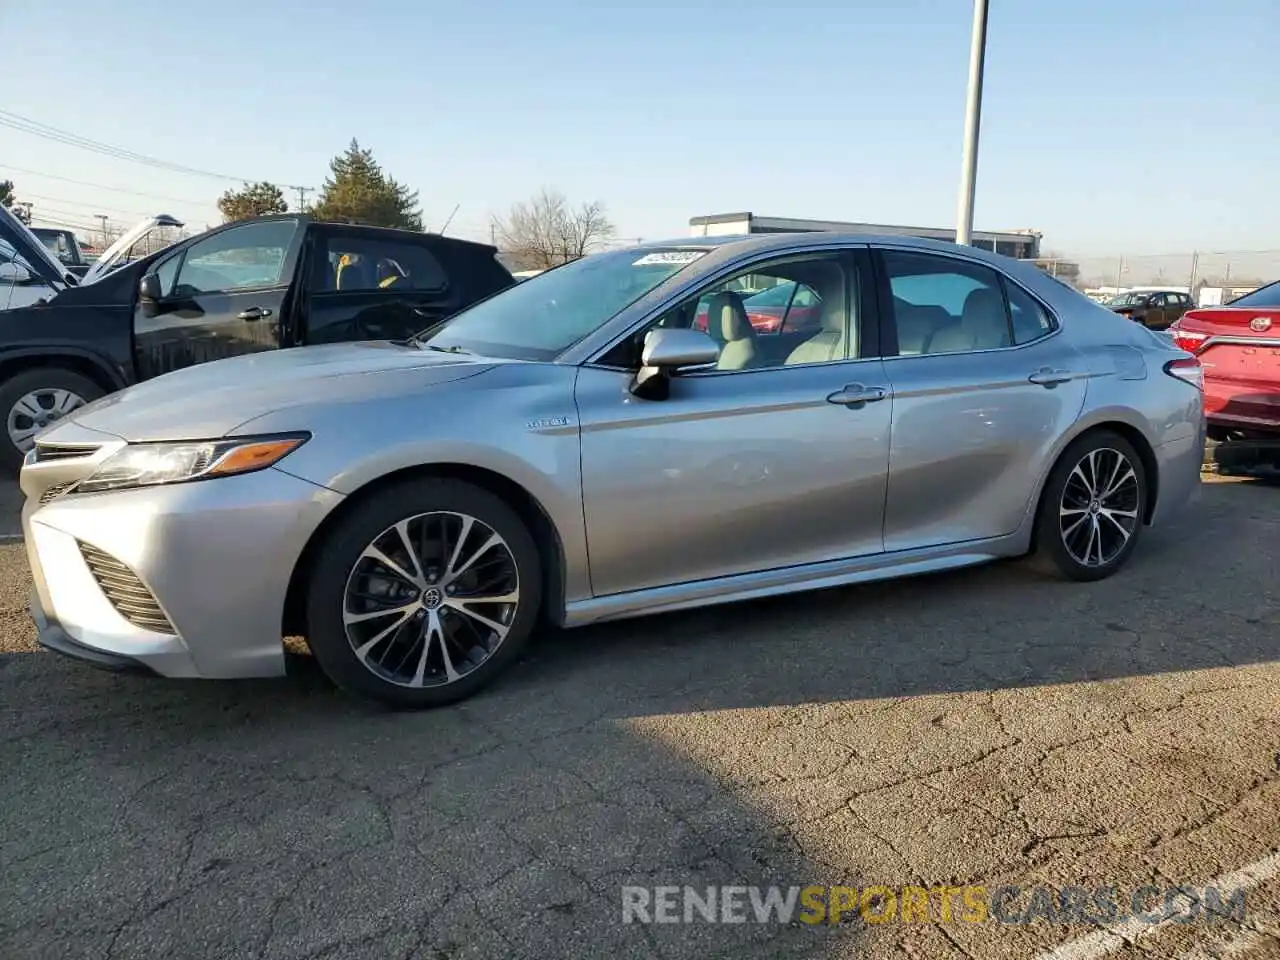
<point>111,373</point>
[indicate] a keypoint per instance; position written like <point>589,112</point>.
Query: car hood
<point>213,399</point>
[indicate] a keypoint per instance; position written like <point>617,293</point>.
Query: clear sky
<point>1114,126</point>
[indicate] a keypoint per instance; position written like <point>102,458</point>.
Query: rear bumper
<point>1254,425</point>
<point>1179,463</point>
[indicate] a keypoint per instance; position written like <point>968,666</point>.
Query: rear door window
<point>364,264</point>
<point>946,305</point>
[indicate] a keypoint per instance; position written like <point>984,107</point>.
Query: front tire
<point>423,594</point>
<point>1092,508</point>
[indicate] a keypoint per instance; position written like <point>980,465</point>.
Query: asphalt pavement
<point>982,728</point>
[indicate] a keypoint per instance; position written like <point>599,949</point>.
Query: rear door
<point>1239,349</point>
<point>375,285</point>
<point>1159,315</point>
<point>222,295</point>
<point>982,388</point>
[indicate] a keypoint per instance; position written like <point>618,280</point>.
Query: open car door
<point>37,256</point>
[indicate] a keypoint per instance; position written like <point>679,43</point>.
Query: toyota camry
<point>574,449</point>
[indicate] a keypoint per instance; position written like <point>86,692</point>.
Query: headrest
<point>984,317</point>
<point>727,317</point>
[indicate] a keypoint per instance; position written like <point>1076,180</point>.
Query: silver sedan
<point>579,449</point>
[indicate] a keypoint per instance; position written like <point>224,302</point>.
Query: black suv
<point>253,285</point>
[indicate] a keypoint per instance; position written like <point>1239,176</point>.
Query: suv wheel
<point>34,399</point>
<point>1092,508</point>
<point>423,594</point>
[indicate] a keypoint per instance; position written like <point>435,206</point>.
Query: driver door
<point>755,465</point>
<point>222,295</point>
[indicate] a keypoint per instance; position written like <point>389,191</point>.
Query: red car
<point>767,310</point>
<point>1238,346</point>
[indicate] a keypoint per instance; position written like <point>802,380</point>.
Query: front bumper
<point>53,637</point>
<point>213,558</point>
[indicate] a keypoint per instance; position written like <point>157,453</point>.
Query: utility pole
<point>302,198</point>
<point>1119,272</point>
<point>972,123</point>
<point>450,219</point>
<point>102,218</point>
<point>1195,262</point>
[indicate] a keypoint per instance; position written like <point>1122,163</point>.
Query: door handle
<point>1048,377</point>
<point>855,394</point>
<point>254,313</point>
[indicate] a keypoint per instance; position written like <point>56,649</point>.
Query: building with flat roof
<point>1022,244</point>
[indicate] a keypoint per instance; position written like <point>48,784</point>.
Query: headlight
<point>148,464</point>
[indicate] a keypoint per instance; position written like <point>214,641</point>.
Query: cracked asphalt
<point>982,727</point>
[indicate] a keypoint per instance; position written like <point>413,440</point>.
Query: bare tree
<point>545,232</point>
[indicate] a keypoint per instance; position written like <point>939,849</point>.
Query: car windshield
<point>57,242</point>
<point>545,315</point>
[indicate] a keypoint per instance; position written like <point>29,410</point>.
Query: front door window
<point>251,257</point>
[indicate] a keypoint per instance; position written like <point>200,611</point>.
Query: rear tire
<point>432,626</point>
<point>34,399</point>
<point>1092,508</point>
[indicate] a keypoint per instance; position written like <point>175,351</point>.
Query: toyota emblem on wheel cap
<point>1260,324</point>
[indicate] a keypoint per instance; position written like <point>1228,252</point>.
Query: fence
<point>1231,269</point>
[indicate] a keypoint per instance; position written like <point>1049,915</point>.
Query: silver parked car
<point>572,448</point>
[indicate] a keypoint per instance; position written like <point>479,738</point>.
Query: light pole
<point>972,122</point>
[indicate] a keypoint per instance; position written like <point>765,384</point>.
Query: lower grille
<point>57,490</point>
<point>129,595</point>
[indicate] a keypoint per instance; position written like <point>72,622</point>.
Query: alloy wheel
<point>1098,513</point>
<point>36,410</point>
<point>430,599</point>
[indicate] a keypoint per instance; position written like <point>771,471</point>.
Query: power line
<point>44,130</point>
<point>77,203</point>
<point>103,186</point>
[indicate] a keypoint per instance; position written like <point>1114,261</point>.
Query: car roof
<point>764,242</point>
<point>366,228</point>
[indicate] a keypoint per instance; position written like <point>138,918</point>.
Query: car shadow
<point>281,819</point>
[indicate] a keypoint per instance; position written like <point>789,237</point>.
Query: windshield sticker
<point>670,257</point>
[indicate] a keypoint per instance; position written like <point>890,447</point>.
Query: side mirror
<point>668,352</point>
<point>149,294</point>
<point>149,287</point>
<point>15,273</point>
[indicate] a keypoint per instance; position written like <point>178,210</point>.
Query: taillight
<point>1188,370</point>
<point>1187,340</point>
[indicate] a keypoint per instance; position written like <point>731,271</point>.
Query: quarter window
<point>242,258</point>
<point>167,273</point>
<point>348,264</point>
<point>1030,321</point>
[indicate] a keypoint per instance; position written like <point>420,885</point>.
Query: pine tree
<point>255,200</point>
<point>358,191</point>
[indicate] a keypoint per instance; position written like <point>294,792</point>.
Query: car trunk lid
<point>1239,348</point>
<point>126,242</point>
